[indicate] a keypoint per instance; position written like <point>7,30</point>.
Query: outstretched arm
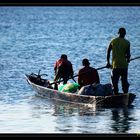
<point>108,55</point>
<point>128,55</point>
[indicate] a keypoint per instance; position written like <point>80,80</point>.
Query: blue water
<point>33,38</point>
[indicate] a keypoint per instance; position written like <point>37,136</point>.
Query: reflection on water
<point>63,108</point>
<point>73,118</point>
<point>121,117</point>
<point>61,117</point>
<point>121,120</point>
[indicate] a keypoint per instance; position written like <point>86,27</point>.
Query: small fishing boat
<point>38,84</point>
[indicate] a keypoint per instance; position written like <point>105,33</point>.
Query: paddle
<point>75,76</point>
<point>84,73</point>
<point>135,58</point>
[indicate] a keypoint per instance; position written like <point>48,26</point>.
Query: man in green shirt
<point>120,48</point>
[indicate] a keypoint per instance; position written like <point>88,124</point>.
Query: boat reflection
<point>78,118</point>
<point>70,109</point>
<point>122,119</point>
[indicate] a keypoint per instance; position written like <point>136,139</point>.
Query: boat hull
<point>104,101</point>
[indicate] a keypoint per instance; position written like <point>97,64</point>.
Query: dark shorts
<point>118,73</point>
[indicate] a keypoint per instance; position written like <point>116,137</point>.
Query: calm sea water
<point>33,38</point>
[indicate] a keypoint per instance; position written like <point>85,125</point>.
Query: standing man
<point>120,48</point>
<point>63,69</point>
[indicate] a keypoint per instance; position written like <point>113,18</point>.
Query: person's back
<point>87,75</point>
<point>119,48</point>
<point>63,69</point>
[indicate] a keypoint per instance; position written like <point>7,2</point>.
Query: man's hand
<point>108,65</point>
<point>128,60</point>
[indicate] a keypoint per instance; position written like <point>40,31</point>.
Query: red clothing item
<point>63,68</point>
<point>88,75</point>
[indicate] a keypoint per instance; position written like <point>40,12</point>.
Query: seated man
<point>87,75</point>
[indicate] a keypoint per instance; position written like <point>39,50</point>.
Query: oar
<point>86,72</point>
<point>76,76</point>
<point>135,58</point>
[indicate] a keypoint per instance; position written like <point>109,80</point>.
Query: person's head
<point>85,62</point>
<point>64,56</point>
<point>122,32</point>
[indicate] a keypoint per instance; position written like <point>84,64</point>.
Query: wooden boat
<point>38,85</point>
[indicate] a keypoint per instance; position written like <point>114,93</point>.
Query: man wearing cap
<point>120,48</point>
<point>87,75</point>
